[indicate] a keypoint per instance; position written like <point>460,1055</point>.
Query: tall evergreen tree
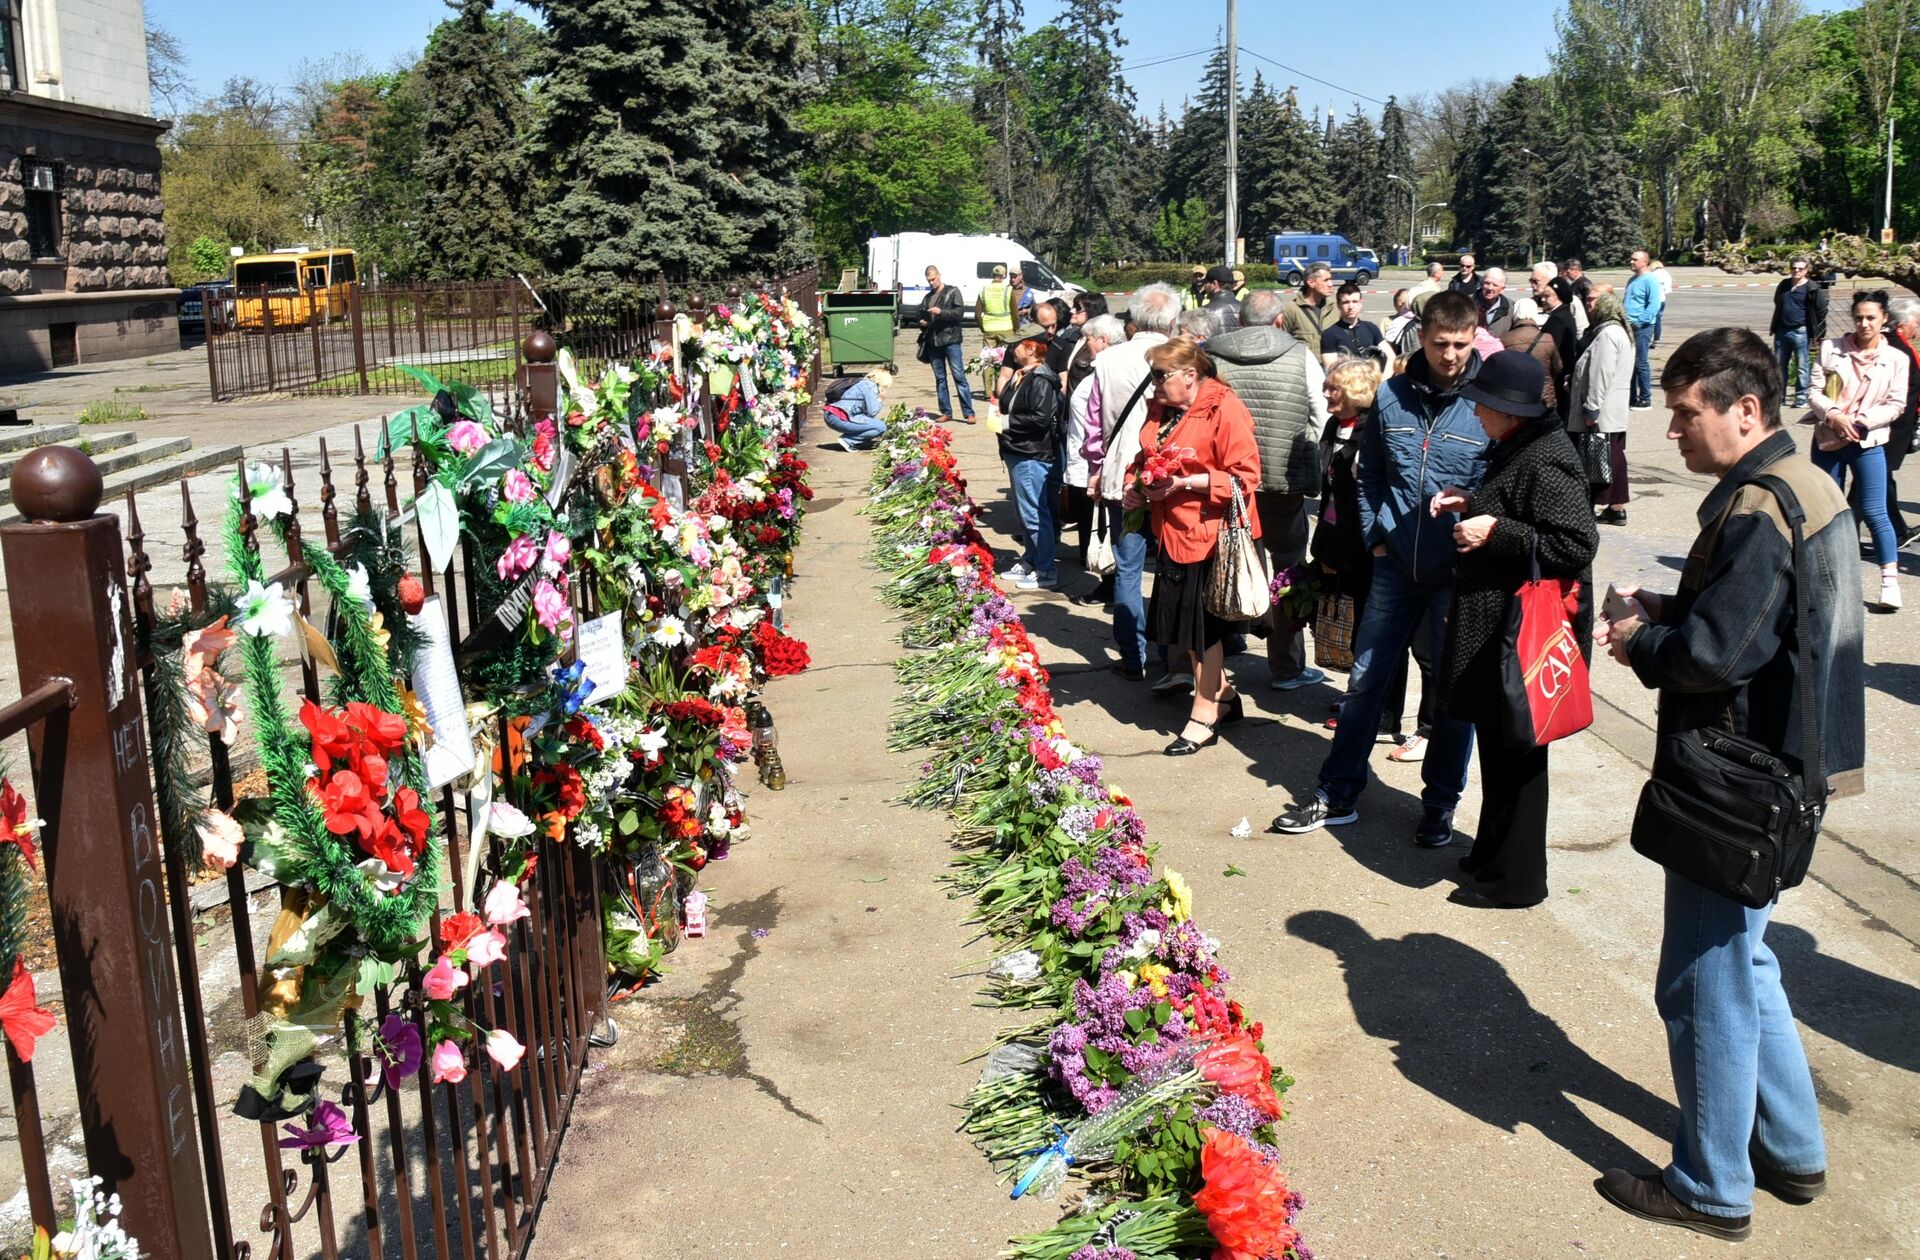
<point>999,102</point>
<point>1294,195</point>
<point>472,163</point>
<point>1100,104</point>
<point>629,132</point>
<point>1353,160</point>
<point>763,149</point>
<point>1263,147</point>
<point>1593,202</point>
<point>1472,201</point>
<point>1197,150</point>
<point>1396,158</point>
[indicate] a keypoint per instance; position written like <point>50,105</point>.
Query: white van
<point>966,262</point>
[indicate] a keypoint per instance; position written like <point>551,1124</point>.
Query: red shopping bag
<point>1542,672</point>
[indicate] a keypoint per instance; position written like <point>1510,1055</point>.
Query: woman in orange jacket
<point>1196,443</point>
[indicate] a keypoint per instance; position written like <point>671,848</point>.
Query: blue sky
<point>1376,49</point>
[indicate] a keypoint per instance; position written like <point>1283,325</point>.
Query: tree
<point>884,168</point>
<point>1197,149</point>
<point>1396,158</point>
<point>1290,191</point>
<point>1182,229</point>
<point>998,95</point>
<point>880,50</point>
<point>1263,147</point>
<point>764,149</point>
<point>472,166</point>
<point>1353,160</point>
<point>629,133</point>
<point>1101,106</point>
<point>229,177</point>
<point>166,69</point>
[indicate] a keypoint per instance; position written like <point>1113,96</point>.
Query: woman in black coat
<point>1532,505</point>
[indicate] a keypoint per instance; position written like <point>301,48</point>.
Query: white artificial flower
<point>1143,945</point>
<point>653,741</point>
<point>379,875</point>
<point>360,586</point>
<point>267,491</point>
<point>504,820</point>
<point>265,610</point>
<point>671,632</point>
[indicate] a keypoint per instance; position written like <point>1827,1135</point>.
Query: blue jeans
<point>1738,1067</point>
<point>1790,349</point>
<point>1395,605</point>
<point>860,430</point>
<point>1641,395</point>
<point>1869,465</point>
<point>1036,492</point>
<point>1129,603</point>
<point>951,359</point>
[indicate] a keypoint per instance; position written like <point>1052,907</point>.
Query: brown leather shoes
<point>1649,1199</point>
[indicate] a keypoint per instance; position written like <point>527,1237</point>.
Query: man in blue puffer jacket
<point>1419,437</point>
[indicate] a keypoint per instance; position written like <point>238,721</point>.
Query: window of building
<point>45,223</point>
<point>11,78</point>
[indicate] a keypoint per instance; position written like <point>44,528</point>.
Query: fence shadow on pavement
<point>1864,1010</point>
<point>1463,1030</point>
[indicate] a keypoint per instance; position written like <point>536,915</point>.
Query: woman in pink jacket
<point>1859,389</point>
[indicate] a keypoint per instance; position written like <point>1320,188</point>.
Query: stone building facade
<point>83,255</point>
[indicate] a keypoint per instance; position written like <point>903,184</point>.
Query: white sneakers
<point>1889,593</point>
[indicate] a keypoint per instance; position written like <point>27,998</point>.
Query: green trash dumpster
<point>860,328</point>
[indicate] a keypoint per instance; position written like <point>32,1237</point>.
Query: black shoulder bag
<point>1726,812</point>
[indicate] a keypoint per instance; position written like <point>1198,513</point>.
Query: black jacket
<point>1338,545</point>
<point>1224,307</point>
<point>1035,411</point>
<point>1060,352</point>
<point>1536,489</point>
<point>944,329</point>
<point>1364,335</point>
<point>1816,309</point>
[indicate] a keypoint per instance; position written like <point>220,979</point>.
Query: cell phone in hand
<point>1617,607</point>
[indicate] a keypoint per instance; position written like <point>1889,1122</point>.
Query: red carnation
<point>413,596</point>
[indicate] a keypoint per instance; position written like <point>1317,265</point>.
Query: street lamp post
<point>1413,196</point>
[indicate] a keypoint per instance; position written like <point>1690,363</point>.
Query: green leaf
<point>491,462</point>
<point>1136,1019</point>
<point>428,381</point>
<point>1162,1012</point>
<point>1231,871</point>
<point>399,431</point>
<point>375,975</point>
<point>439,524</point>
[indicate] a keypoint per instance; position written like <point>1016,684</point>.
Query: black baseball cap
<point>1511,382</point>
<point>1221,275</point>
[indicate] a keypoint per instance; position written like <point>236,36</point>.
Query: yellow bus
<point>296,287</point>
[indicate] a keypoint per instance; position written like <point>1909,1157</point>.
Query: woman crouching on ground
<point>1206,432</point>
<point>1531,507</point>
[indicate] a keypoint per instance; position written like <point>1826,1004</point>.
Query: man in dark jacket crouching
<point>1723,652</point>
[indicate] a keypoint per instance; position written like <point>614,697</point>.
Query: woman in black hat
<point>1532,505</point>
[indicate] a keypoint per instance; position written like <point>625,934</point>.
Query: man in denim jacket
<point>1419,437</point>
<point>1723,651</point>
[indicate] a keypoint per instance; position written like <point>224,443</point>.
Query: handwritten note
<point>603,650</point>
<point>449,753</point>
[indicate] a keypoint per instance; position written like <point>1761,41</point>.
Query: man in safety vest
<point>1196,295</point>
<point>994,311</point>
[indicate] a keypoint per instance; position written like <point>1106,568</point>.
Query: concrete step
<point>27,436</point>
<point>96,445</point>
<point>138,453</point>
<point>159,472</point>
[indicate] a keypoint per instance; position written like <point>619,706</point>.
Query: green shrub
<point>111,411</point>
<point>1179,275</point>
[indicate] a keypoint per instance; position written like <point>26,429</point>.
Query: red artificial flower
<point>349,807</point>
<point>384,732</point>
<point>16,820</point>
<point>390,845</point>
<point>24,1021</point>
<point>1236,1066</point>
<point>332,740</point>
<point>413,596</point>
<point>581,730</point>
<point>1244,1200</point>
<point>410,818</point>
<point>455,929</point>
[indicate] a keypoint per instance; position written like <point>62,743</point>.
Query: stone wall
<point>114,238</point>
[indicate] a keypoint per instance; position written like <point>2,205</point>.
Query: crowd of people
<point>1415,479</point>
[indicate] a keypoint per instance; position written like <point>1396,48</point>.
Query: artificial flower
<point>413,596</point>
<point>558,550</point>
<point>519,556</point>
<point>504,1049</point>
<point>330,1128</point>
<point>203,648</point>
<point>456,929</point>
<point>669,632</point>
<point>380,875</point>
<point>17,823</point>
<point>549,605</point>
<point>399,1049</point>
<point>449,1063</point>
<point>517,487</point>
<point>348,806</point>
<point>23,1020</point>
<point>390,845</point>
<point>442,981</point>
<point>1179,903</point>
<point>485,949</point>
<point>213,702</point>
<point>265,610</point>
<point>360,586</point>
<point>505,905</point>
<point>507,821</point>
<point>266,492</point>
<point>409,817</point>
<point>466,437</point>
<point>220,839</point>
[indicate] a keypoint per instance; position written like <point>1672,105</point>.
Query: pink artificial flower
<point>220,839</point>
<point>549,605</point>
<point>519,557</point>
<point>442,982</point>
<point>504,904</point>
<point>485,949</point>
<point>449,1065</point>
<point>559,550</point>
<point>504,1050</point>
<point>517,487</point>
<point>466,437</point>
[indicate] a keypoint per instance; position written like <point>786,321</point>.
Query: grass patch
<point>390,380</point>
<point>145,389</point>
<point>111,411</point>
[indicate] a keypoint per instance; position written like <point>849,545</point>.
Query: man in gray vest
<point>1281,382</point>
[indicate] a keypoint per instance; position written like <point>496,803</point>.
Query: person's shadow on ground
<point>1463,1031</point>
<point>1874,1014</point>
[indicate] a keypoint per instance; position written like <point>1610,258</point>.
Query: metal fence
<point>158,994</point>
<point>263,341</point>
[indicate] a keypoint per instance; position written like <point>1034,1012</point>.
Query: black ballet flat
<point>1184,747</point>
<point>1232,709</point>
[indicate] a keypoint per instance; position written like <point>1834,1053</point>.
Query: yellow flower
<point>1155,977</point>
<point>1179,903</point>
<point>1128,978</point>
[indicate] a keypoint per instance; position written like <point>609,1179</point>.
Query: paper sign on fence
<point>603,650</point>
<point>449,752</point>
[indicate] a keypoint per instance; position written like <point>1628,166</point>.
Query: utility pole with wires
<point>1233,131</point>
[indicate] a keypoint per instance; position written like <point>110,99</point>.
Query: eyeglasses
<point>1161,374</point>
